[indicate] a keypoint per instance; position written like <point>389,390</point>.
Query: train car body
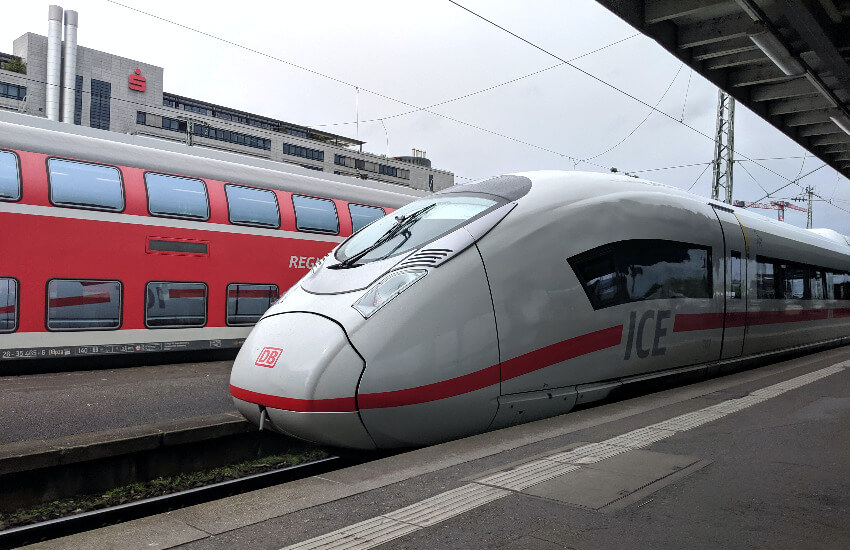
<point>116,244</point>
<point>517,298</point>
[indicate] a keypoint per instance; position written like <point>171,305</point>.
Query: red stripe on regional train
<point>248,294</point>
<point>100,298</point>
<point>186,293</point>
<point>338,404</point>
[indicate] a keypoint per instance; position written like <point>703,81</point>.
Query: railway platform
<point>757,458</point>
<point>66,417</point>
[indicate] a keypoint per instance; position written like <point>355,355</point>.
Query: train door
<point>734,283</point>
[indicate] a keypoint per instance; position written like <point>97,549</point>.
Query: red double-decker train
<point>115,244</point>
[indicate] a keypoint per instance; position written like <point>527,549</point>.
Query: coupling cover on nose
<point>299,362</point>
<point>300,372</point>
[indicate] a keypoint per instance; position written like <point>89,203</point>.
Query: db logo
<point>268,357</point>
<point>137,81</point>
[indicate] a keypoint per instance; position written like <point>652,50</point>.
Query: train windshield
<point>410,227</point>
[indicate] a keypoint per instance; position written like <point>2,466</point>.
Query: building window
<point>173,124</point>
<point>251,206</point>
<point>78,100</point>
<point>177,197</point>
<point>101,94</point>
<point>316,215</point>
<point>230,136</point>
<point>13,91</point>
<point>10,177</point>
<point>83,305</point>
<point>246,303</point>
<point>83,185</point>
<point>374,167</point>
<point>361,215</point>
<point>643,269</point>
<point>304,152</point>
<point>175,305</point>
<point>430,182</point>
<point>8,304</point>
<point>141,118</point>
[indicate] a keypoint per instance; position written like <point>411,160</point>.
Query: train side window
<point>177,197</point>
<point>362,215</point>
<point>251,206</point>
<point>735,275</point>
<point>172,304</point>
<point>10,177</point>
<point>841,285</point>
<point>83,304</point>
<point>316,215</point>
<point>84,185</point>
<point>246,303</point>
<point>793,278</point>
<point>765,278</point>
<point>644,269</point>
<point>8,304</point>
<point>816,284</point>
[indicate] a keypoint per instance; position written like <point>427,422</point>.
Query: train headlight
<point>386,289</point>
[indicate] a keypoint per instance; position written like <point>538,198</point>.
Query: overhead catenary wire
<point>568,156</point>
<point>607,84</point>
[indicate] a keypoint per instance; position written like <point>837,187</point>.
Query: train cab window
<point>251,206</point>
<point>8,304</point>
<point>734,290</point>
<point>361,215</point>
<point>246,303</point>
<point>83,185</point>
<point>170,304</point>
<point>83,305</point>
<point>315,215</point>
<point>643,269</point>
<point>177,197</point>
<point>10,177</point>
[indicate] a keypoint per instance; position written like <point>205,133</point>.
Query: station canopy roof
<point>786,60</point>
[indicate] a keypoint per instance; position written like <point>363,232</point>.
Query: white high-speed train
<point>519,297</point>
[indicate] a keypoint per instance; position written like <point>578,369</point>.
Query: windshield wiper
<point>401,225</point>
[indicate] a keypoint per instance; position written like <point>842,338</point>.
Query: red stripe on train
<point>338,404</point>
<point>706,321</point>
<point>524,364</point>
<point>7,309</point>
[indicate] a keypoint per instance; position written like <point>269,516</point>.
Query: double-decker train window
<point>251,206</point>
<point>316,215</point>
<point>10,177</point>
<point>643,269</point>
<point>246,303</point>
<point>362,215</point>
<point>83,304</point>
<point>173,304</point>
<point>8,304</point>
<point>177,197</point>
<point>84,185</point>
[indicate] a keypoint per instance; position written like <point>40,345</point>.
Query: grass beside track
<point>156,487</point>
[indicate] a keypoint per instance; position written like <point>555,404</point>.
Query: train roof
<point>39,135</point>
<point>577,186</point>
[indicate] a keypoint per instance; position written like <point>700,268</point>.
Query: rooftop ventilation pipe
<point>54,62</point>
<point>69,66</point>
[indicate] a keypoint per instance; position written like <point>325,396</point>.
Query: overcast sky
<point>425,53</point>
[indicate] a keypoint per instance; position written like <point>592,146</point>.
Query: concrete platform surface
<point>48,406</point>
<point>755,459</point>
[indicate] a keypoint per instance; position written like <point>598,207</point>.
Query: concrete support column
<point>69,66</point>
<point>54,62</point>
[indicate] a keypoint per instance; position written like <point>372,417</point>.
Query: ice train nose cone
<point>301,369</point>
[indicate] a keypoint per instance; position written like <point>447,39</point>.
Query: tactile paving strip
<point>378,530</point>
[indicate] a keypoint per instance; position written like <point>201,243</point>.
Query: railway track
<point>28,534</point>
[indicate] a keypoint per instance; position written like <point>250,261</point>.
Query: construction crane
<point>773,205</point>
